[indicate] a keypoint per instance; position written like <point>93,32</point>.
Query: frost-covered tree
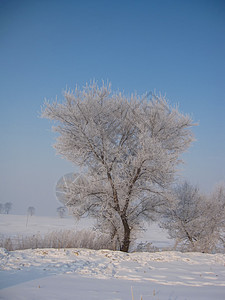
<point>214,225</point>
<point>196,221</point>
<point>218,197</point>
<point>182,215</point>
<point>127,149</point>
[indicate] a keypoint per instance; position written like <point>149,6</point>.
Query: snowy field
<point>104,275</point>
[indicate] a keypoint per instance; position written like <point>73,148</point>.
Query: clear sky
<point>173,47</point>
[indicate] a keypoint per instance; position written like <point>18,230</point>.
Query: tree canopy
<point>127,149</point>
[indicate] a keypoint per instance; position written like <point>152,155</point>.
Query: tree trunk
<point>126,236</point>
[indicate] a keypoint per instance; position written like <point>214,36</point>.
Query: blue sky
<point>173,47</point>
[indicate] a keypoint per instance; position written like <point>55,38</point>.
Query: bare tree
<point>31,210</point>
<point>127,149</point>
<point>61,211</point>
<point>1,208</point>
<point>7,207</point>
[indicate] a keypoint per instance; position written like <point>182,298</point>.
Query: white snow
<point>12,225</point>
<point>103,274</point>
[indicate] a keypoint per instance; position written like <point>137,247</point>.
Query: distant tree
<point>7,207</point>
<point>31,210</point>
<point>127,149</point>
<point>61,211</point>
<point>1,208</point>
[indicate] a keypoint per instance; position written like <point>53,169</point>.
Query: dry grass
<point>58,239</point>
<point>132,294</point>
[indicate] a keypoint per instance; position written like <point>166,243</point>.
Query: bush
<point>146,247</point>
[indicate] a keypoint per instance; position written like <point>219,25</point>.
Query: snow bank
<point>162,272</point>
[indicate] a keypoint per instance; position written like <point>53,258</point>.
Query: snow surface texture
<point>107,275</point>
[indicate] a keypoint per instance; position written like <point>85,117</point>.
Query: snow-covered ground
<point>104,275</point>
<point>18,224</point>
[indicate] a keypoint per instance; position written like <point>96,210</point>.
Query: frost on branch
<point>128,150</point>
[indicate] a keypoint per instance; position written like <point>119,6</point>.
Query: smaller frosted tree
<point>194,220</point>
<point>127,149</point>
<point>181,216</point>
<point>214,225</point>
